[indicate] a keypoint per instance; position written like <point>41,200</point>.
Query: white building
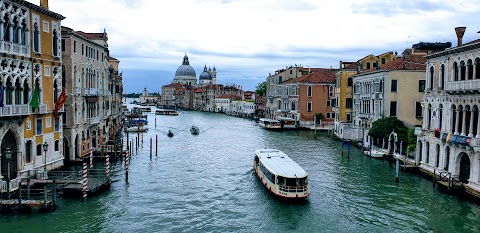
<point>449,140</point>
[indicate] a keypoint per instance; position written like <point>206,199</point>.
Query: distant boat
<point>170,134</point>
<point>167,112</point>
<point>374,153</point>
<point>280,174</point>
<point>137,129</point>
<point>195,130</point>
<point>269,124</point>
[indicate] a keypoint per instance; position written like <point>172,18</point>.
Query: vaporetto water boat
<point>269,124</point>
<point>280,174</point>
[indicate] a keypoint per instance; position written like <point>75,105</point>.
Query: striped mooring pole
<point>85,181</point>
<point>126,165</point>
<point>91,157</point>
<point>107,167</point>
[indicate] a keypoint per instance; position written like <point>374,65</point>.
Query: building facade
<point>449,139</point>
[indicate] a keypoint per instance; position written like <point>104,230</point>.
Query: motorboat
<point>269,124</point>
<point>195,130</point>
<point>167,112</point>
<point>280,174</point>
<point>170,134</point>
<point>374,153</point>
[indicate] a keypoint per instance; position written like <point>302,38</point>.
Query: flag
<point>34,101</point>
<point>59,104</point>
<point>2,89</point>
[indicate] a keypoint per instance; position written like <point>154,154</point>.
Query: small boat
<point>280,174</point>
<point>170,134</point>
<point>195,130</point>
<point>269,124</point>
<point>137,129</point>
<point>287,123</point>
<point>374,153</point>
<point>168,112</point>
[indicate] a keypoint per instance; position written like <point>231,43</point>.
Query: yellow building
<point>30,76</point>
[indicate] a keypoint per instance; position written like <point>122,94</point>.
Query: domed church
<point>185,74</point>
<point>208,76</point>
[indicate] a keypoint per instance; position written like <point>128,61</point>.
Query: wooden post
<point>54,198</point>
<point>434,178</point>
<point>315,125</point>
<point>150,147</point>
<point>20,196</point>
<point>28,188</point>
<point>343,145</point>
<point>397,165</point>
<point>156,144</point>
<point>348,141</point>
<point>45,195</point>
<point>130,149</point>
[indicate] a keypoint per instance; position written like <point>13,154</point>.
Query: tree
<point>382,128</point>
<point>412,140</point>
<point>261,89</point>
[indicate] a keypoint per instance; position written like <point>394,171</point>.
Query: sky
<point>248,39</point>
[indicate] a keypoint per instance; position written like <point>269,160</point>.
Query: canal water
<point>205,183</point>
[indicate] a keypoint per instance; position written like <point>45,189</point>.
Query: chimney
<point>460,31</point>
<point>44,4</point>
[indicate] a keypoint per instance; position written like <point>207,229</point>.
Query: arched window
<point>26,90</point>
<point>469,69</point>
<point>55,91</point>
<point>427,150</point>
<point>431,78</point>
<point>23,33</point>
<point>454,118</point>
<point>455,71</point>
<point>475,119</point>
<point>36,38</point>
<point>18,92</point>
<point>309,106</point>
<point>477,68</point>
<point>309,91</point>
<point>6,28</point>
<point>442,77</point>
<point>440,116</point>
<point>8,92</point>
<point>437,159</point>
<point>429,122</point>
<point>462,70</point>
<point>55,43</point>
<point>15,30</point>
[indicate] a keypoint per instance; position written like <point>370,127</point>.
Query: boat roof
<point>286,118</point>
<point>268,119</point>
<point>279,163</point>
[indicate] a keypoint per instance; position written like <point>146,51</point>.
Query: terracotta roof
<point>322,75</point>
<point>409,62</point>
<point>174,85</point>
<point>230,96</point>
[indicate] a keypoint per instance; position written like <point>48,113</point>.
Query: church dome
<point>185,69</point>
<point>205,74</point>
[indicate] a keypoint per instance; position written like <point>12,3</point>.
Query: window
<point>55,43</point>
<point>368,65</point>
<point>442,77</point>
<point>63,45</point>
<point>431,79</point>
<point>349,103</point>
<point>393,109</point>
<point>349,81</point>
<point>39,126</point>
<point>46,26</point>
<point>455,71</point>
<point>383,60</point>
<point>36,38</point>
<point>57,147</point>
<point>48,122</point>
<point>328,103</point>
<point>421,86</point>
<point>47,71</point>
<point>349,117</point>
<point>418,109</point>
<point>75,46</point>
<point>394,86</point>
<point>309,91</point>
<point>82,49</point>
<point>39,150</point>
<point>334,103</point>
<point>28,151</point>
<point>328,115</point>
<point>333,115</point>
<point>291,71</point>
<point>57,127</point>
<point>279,79</point>
<point>309,106</point>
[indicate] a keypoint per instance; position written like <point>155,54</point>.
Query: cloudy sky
<point>248,39</point>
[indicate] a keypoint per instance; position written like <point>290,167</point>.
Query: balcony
<point>77,91</point>
<point>93,120</point>
<point>14,48</point>
<point>463,87</point>
<point>15,110</point>
<point>91,91</point>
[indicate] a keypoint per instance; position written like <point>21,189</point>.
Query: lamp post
<point>45,148</point>
<point>8,155</point>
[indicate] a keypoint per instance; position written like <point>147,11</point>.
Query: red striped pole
<point>107,167</point>
<point>126,164</point>
<point>91,157</point>
<point>85,181</point>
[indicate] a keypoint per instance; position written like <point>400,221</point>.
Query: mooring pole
<point>343,145</point>
<point>156,144</point>
<point>150,147</point>
<point>20,196</point>
<point>315,125</point>
<point>397,167</point>
<point>348,141</point>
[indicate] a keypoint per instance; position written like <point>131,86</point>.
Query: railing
<point>78,90</point>
<point>65,175</point>
<point>469,85</point>
<point>94,120</point>
<point>91,91</point>
<point>293,189</point>
<point>42,109</point>
<point>13,184</point>
<point>15,110</point>
<point>10,47</point>
<point>455,182</point>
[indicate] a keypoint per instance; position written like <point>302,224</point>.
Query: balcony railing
<point>91,91</point>
<point>13,48</point>
<point>77,90</point>
<point>15,110</point>
<point>460,87</point>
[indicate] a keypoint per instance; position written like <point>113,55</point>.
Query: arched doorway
<point>464,173</point>
<point>94,138</point>
<point>9,141</point>
<point>77,147</point>
<point>420,150</point>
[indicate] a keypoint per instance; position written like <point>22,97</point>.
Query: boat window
<point>280,180</point>
<point>291,182</point>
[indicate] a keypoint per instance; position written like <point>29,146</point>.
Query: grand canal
<point>205,183</point>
